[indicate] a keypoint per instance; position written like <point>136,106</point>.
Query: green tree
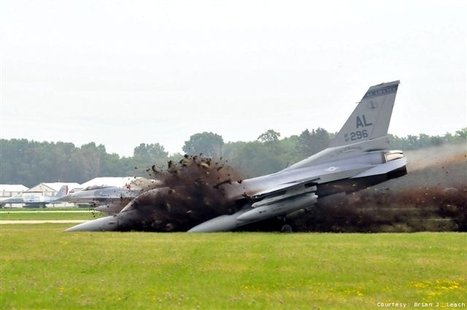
<point>207,143</point>
<point>271,143</point>
<point>87,161</point>
<point>149,154</point>
<point>270,136</point>
<point>30,162</point>
<point>312,142</point>
<point>253,158</point>
<point>461,135</point>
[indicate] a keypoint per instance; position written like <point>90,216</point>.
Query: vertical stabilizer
<point>62,191</point>
<point>370,119</point>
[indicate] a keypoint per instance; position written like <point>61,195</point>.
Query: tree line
<point>30,162</point>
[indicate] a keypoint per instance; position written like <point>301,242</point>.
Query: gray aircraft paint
<point>370,118</point>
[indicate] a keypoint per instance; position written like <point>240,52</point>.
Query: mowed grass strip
<point>41,267</point>
<point>48,209</point>
<point>44,215</point>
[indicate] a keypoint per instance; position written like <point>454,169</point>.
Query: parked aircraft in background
<point>357,157</point>
<point>109,199</point>
<point>35,200</point>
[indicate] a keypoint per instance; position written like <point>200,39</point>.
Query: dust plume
<point>191,193</point>
<point>431,197</point>
<point>436,156</point>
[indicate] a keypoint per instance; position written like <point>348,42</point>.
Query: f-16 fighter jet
<point>36,200</point>
<point>109,199</point>
<point>357,158</point>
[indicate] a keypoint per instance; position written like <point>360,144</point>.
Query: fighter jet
<point>35,200</point>
<point>110,199</point>
<point>357,157</point>
<point>107,199</point>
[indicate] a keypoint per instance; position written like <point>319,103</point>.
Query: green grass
<point>45,215</point>
<point>22,209</point>
<point>41,267</point>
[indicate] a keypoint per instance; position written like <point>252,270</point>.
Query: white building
<point>10,190</point>
<point>108,181</point>
<point>128,182</point>
<point>51,189</point>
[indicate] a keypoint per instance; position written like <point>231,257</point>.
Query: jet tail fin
<point>370,119</point>
<point>62,191</point>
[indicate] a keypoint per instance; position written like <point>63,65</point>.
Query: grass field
<point>75,214</point>
<point>41,267</point>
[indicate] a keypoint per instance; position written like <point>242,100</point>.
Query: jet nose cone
<point>107,223</point>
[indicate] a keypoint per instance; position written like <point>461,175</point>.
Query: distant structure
<point>107,181</point>
<point>38,196</point>
<point>10,190</point>
<point>51,189</point>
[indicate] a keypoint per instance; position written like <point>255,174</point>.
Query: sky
<point>121,73</point>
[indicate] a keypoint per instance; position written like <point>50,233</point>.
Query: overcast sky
<point>121,73</point>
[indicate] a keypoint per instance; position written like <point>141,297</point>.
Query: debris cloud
<point>191,193</point>
<point>431,197</point>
